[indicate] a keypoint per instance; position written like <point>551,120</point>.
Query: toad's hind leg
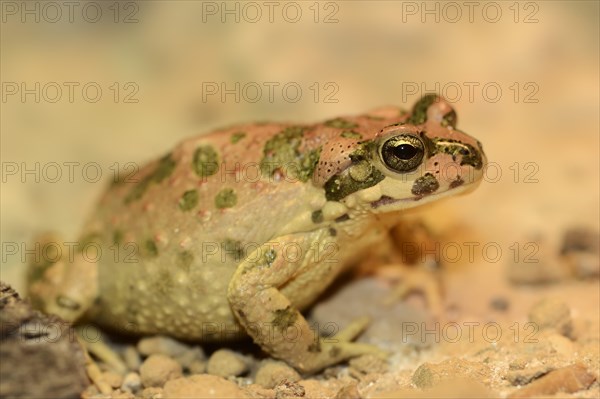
<point>270,318</point>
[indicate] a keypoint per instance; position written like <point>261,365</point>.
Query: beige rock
<point>273,372</point>
<point>202,386</point>
<point>197,367</point>
<point>113,379</point>
<point>552,313</point>
<point>132,382</point>
<point>429,375</point>
<point>567,379</point>
<point>158,369</point>
<point>226,363</point>
<point>132,358</point>
<point>190,356</point>
<point>161,345</point>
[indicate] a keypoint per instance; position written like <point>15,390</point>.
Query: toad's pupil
<point>405,151</point>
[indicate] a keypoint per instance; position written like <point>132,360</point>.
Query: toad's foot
<point>413,279</point>
<point>104,353</point>
<point>339,348</point>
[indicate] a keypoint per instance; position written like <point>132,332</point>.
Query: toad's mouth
<point>385,200</point>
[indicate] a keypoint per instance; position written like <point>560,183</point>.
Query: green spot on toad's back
<point>150,248</point>
<point>340,123</point>
<point>226,198</point>
<point>235,137</point>
<point>281,149</point>
<point>206,161</point>
<point>118,236</point>
<point>351,134</point>
<point>164,168</point>
<point>307,163</point>
<point>282,152</point>
<point>188,200</point>
<point>184,260</point>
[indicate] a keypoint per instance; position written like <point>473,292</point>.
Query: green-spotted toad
<point>235,232</point>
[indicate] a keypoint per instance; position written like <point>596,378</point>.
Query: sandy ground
<point>543,140</point>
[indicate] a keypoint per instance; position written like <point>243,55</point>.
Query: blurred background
<point>92,86</point>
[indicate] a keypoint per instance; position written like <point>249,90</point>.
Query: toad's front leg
<point>270,318</point>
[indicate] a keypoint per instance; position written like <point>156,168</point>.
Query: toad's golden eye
<point>402,153</point>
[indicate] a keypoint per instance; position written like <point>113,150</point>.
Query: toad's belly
<point>149,298</point>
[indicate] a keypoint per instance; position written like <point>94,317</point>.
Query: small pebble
<point>226,363</point>
<point>190,356</point>
<point>499,303</point>
<point>161,345</point>
<point>132,358</point>
<point>131,383</point>
<point>197,367</point>
<point>113,379</point>
<point>551,313</point>
<point>580,239</point>
<point>273,372</point>
<point>158,369</point>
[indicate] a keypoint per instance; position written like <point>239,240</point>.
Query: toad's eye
<point>402,153</point>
